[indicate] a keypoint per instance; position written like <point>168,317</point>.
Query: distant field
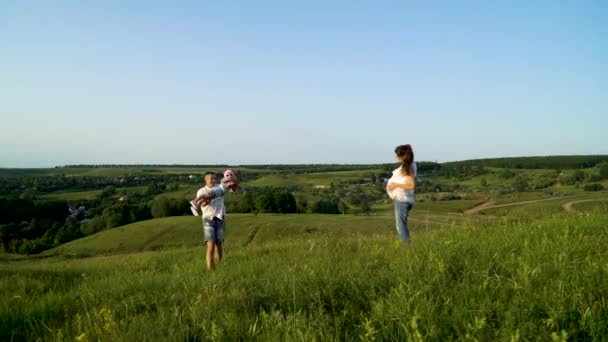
<point>523,196</point>
<point>185,191</point>
<point>312,179</point>
<point>543,208</point>
<point>457,206</point>
<point>86,195</point>
<point>117,171</point>
<point>592,206</point>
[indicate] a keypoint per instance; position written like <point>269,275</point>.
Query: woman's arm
<point>410,184</point>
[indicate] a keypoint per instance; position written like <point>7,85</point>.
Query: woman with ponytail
<point>400,188</point>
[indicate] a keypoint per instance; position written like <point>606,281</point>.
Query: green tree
<point>520,184</point>
<point>326,206</point>
<point>301,205</point>
<point>246,204</point>
<point>155,189</point>
<point>8,235</point>
<point>604,172</point>
<point>264,202</point>
<point>506,174</point>
<point>365,207</point>
<point>342,207</point>
<point>483,182</point>
<point>579,175</point>
<point>70,231</point>
<point>29,194</point>
<point>283,202</point>
<point>96,225</point>
<point>160,207</point>
<point>374,179</point>
<point>107,195</point>
<point>593,187</point>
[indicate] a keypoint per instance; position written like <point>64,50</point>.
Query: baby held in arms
<point>230,182</point>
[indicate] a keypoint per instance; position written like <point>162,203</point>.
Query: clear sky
<point>205,82</point>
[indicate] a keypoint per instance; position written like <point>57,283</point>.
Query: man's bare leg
<point>219,252</point>
<point>210,251</point>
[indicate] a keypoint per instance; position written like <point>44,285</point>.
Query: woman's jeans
<point>402,211</point>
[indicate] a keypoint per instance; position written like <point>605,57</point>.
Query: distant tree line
<point>16,184</point>
<point>282,201</point>
<point>546,162</point>
<point>288,168</point>
<point>460,171</point>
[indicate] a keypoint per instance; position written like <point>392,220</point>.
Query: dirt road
<point>490,204</point>
<point>569,206</point>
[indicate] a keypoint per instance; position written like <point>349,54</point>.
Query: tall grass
<point>541,280</point>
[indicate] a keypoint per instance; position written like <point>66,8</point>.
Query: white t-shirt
<point>399,178</point>
<point>215,208</point>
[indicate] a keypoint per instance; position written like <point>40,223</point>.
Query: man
<point>213,216</point>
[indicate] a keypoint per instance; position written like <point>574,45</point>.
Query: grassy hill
<point>241,230</point>
<point>317,277</point>
<point>246,229</point>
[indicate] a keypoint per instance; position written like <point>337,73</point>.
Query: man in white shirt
<point>213,223</point>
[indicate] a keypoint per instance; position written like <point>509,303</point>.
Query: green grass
<point>241,230</point>
<point>72,195</point>
<point>521,197</point>
<point>457,206</point>
<point>185,191</point>
<point>86,195</point>
<point>510,281</point>
<point>592,206</point>
<point>543,208</point>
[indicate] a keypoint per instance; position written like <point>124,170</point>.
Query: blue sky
<point>299,82</point>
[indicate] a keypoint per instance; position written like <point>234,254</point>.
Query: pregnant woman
<point>400,189</point>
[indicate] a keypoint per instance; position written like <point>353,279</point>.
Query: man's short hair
<point>209,173</point>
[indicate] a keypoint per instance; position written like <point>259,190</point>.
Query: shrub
<point>593,187</point>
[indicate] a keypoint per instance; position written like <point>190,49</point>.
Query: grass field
<point>600,205</point>
<point>242,229</point>
<point>313,179</point>
<point>317,277</point>
<point>550,206</point>
<point>86,195</point>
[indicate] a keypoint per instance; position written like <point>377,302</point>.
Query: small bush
<point>593,187</point>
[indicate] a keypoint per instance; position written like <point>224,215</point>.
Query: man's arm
<point>216,191</point>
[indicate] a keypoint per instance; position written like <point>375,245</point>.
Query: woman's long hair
<point>406,155</point>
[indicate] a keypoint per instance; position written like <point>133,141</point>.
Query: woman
<point>401,188</point>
